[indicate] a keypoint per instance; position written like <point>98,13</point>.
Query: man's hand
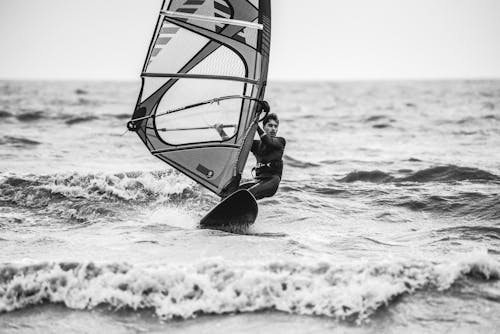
<point>265,106</point>
<point>219,127</point>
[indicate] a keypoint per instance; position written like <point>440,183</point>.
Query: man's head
<point>271,124</point>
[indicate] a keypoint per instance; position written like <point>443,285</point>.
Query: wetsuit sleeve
<point>255,146</point>
<point>277,142</point>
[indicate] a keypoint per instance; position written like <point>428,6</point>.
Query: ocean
<point>387,219</point>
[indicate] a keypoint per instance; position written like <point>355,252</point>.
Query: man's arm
<point>277,142</point>
<point>220,129</point>
<point>255,146</point>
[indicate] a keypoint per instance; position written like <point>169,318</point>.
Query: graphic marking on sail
<point>206,66</point>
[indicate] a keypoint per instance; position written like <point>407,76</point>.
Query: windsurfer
<point>269,154</point>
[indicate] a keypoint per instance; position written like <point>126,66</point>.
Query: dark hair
<point>269,117</point>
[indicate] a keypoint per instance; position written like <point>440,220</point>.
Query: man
<point>269,154</point>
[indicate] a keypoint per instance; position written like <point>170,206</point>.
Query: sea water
<point>387,218</point>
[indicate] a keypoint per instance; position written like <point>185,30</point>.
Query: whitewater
<point>387,218</point>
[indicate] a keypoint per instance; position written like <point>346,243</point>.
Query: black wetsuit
<point>269,154</point>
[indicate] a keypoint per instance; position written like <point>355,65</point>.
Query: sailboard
<point>207,64</point>
<point>228,215</point>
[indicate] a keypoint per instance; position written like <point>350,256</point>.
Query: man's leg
<point>265,187</point>
<point>247,185</point>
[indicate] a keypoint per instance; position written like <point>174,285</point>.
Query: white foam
<point>137,186</point>
<point>175,216</point>
<point>342,291</point>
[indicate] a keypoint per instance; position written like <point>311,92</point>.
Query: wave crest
<point>41,190</point>
<point>450,173</point>
<point>375,176</point>
<point>31,115</point>
<point>464,204</point>
<point>349,292</point>
<point>293,162</point>
<point>18,141</point>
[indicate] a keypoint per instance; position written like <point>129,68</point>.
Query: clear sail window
<point>198,124</point>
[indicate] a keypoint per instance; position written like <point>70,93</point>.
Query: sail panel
<point>186,91</point>
<point>207,165</point>
<point>201,118</point>
<point>151,85</point>
<point>223,62</point>
<point>168,42</point>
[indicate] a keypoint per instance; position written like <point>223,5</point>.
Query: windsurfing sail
<point>206,67</point>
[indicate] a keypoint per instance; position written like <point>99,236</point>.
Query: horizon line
<point>138,79</point>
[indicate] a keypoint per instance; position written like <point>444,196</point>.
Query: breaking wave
<point>347,292</point>
<point>86,197</point>
<point>36,190</point>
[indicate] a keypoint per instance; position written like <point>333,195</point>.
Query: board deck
<point>234,214</point>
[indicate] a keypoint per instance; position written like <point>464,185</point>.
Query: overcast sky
<point>311,40</point>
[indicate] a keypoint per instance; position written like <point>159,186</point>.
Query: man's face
<point>271,128</point>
